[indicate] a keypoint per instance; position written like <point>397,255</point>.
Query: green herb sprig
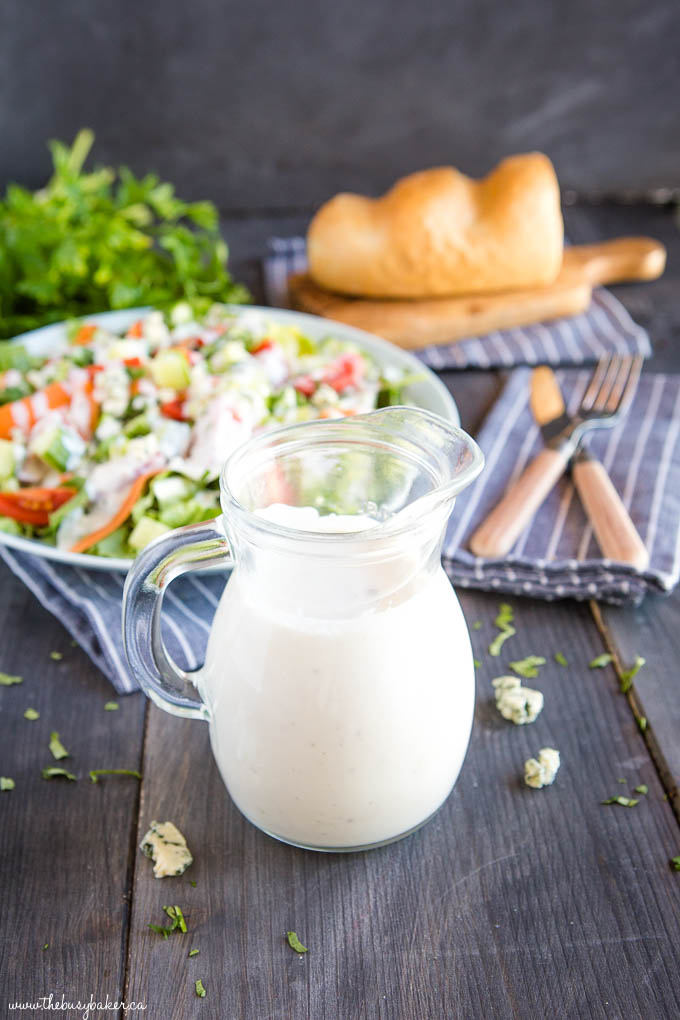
<point>294,942</point>
<point>96,773</point>
<point>91,240</point>
<point>622,801</point>
<point>627,675</point>
<point>56,747</point>
<point>504,623</point>
<point>7,680</point>
<point>528,668</point>
<point>178,923</point>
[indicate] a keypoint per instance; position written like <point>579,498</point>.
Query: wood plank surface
<point>511,902</point>
<point>65,847</point>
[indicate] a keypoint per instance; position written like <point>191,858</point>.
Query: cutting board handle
<point>618,261</point>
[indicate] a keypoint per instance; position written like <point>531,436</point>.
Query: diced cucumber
<point>172,489</point>
<point>138,426</point>
<point>170,370</point>
<point>7,462</point>
<point>145,531</point>
<point>9,526</point>
<point>60,447</point>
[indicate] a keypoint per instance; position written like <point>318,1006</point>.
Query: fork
<point>606,399</point>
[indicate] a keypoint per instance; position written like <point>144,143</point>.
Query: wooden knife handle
<point>498,533</point>
<point>614,530</point>
<point>617,261</point>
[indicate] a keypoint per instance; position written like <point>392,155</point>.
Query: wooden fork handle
<point>615,532</point>
<point>498,533</point>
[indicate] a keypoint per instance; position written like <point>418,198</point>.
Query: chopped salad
<point>114,439</point>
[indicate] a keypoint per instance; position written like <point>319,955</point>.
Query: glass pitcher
<point>338,682</point>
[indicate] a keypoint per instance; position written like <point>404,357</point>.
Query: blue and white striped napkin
<point>557,556</point>
<point>605,328</point>
<point>88,603</point>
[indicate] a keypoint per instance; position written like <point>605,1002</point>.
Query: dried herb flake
<point>294,942</point>
<point>600,661</point>
<point>96,773</point>
<point>528,668</point>
<point>623,801</point>
<point>56,747</point>
<point>7,680</point>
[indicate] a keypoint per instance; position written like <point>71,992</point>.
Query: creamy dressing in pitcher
<point>339,730</point>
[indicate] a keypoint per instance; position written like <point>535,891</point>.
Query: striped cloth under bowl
<point>555,558</point>
<point>605,328</point>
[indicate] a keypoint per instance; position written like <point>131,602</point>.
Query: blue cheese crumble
<point>167,848</point>
<point>518,704</point>
<point>541,771</point>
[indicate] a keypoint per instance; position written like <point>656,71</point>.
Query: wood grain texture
<point>614,530</point>
<point>510,902</point>
<point>499,531</point>
<point>415,324</point>
<point>64,846</point>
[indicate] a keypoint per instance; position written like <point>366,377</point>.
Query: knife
<point>611,523</point>
<point>614,530</point>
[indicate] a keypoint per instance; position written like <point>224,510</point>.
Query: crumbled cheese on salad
<point>107,413</point>
<point>168,849</point>
<point>541,771</point>
<point>518,704</point>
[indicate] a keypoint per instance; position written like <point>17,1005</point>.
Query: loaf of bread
<point>439,233</point>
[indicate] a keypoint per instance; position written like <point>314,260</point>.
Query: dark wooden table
<point>509,903</point>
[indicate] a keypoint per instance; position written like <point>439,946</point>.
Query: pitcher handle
<point>155,567</point>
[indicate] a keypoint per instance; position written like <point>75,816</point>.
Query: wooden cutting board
<point>418,323</point>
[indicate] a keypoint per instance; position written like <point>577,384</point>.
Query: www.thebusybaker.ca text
<point>91,1006</point>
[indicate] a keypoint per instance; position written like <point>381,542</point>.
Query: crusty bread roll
<point>439,233</point>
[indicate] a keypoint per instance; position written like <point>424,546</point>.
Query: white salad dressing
<point>339,728</point>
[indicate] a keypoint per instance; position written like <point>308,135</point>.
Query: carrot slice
<point>84,334</point>
<point>24,413</point>
<point>118,518</point>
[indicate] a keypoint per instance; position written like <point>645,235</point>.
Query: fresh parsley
<point>52,772</point>
<point>105,239</point>
<point>675,863</point>
<point>628,674</point>
<point>6,680</point>
<point>56,747</point>
<point>31,714</point>
<point>178,923</point>
<point>57,656</point>
<point>294,942</point>
<point>96,773</point>
<point>600,661</point>
<point>528,668</point>
<point>200,990</point>
<point>560,659</point>
<point>193,952</point>
<point>111,706</point>
<point>6,783</point>
<point>642,788</point>
<point>623,801</point>
<point>476,663</point>
<point>642,723</point>
<point>504,623</point>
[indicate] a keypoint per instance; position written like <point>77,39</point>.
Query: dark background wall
<point>273,105</point>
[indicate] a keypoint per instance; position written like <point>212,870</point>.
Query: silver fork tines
<point>607,397</point>
<point>612,386</point>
